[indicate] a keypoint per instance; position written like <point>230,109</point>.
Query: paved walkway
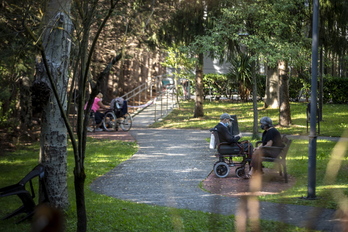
<point>168,168</point>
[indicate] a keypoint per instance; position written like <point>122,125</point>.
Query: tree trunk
<point>284,108</point>
<point>25,113</point>
<point>53,152</point>
<point>256,113</point>
<point>80,178</point>
<point>199,88</point>
<point>272,87</point>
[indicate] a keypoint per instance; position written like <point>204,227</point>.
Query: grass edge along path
<point>334,124</point>
<point>106,213</point>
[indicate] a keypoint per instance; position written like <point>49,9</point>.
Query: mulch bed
<point>232,186</point>
<point>114,135</point>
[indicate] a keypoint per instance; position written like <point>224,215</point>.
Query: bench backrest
<point>234,125</point>
<point>287,142</point>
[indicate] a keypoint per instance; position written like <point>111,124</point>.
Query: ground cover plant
<point>334,124</point>
<point>106,213</point>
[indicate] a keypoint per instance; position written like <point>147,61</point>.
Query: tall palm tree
<point>241,72</point>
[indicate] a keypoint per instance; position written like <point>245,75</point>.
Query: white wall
<point>213,66</point>
<point>210,66</point>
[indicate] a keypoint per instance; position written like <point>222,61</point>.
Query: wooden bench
<point>281,159</point>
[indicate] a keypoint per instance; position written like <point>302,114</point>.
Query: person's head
<point>99,95</point>
<point>114,93</point>
<point>266,123</point>
<point>225,118</point>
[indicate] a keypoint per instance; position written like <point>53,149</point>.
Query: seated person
<point>118,103</point>
<point>225,135</point>
<point>96,106</point>
<point>223,130</point>
<point>270,137</point>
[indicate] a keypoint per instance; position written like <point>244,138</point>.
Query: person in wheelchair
<point>270,137</point>
<point>225,135</point>
<point>223,130</point>
<point>117,104</point>
<point>231,151</point>
<point>97,105</point>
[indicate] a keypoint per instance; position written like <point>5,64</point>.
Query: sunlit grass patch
<point>109,214</point>
<point>333,124</point>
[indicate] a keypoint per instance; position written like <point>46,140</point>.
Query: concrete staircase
<point>160,107</point>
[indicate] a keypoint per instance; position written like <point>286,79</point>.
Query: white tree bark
<point>272,89</point>
<point>53,152</point>
<point>284,102</point>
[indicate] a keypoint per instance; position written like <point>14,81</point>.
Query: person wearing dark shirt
<point>270,138</point>
<point>223,130</point>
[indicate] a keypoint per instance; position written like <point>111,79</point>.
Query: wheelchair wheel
<point>109,121</point>
<point>126,122</point>
<point>221,169</point>
<point>240,172</point>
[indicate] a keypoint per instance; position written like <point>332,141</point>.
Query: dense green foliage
<point>218,85</point>
<point>17,56</point>
<point>335,90</point>
<point>221,85</point>
<point>276,30</point>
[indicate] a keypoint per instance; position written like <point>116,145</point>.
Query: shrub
<point>335,90</point>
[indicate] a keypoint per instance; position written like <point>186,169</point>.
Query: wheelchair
<point>231,155</point>
<point>117,117</point>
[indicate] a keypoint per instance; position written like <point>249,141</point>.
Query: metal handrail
<point>143,87</point>
<point>147,86</point>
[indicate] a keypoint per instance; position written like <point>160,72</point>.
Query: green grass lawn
<point>105,213</point>
<point>109,214</point>
<point>335,117</point>
<point>334,124</point>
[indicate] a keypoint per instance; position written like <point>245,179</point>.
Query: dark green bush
<point>261,85</point>
<point>226,85</point>
<point>215,84</point>
<point>299,86</point>
<point>335,90</point>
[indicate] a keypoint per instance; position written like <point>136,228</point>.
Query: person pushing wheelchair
<point>96,107</point>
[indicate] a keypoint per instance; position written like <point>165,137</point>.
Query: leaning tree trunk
<point>199,88</point>
<point>284,108</point>
<point>56,54</point>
